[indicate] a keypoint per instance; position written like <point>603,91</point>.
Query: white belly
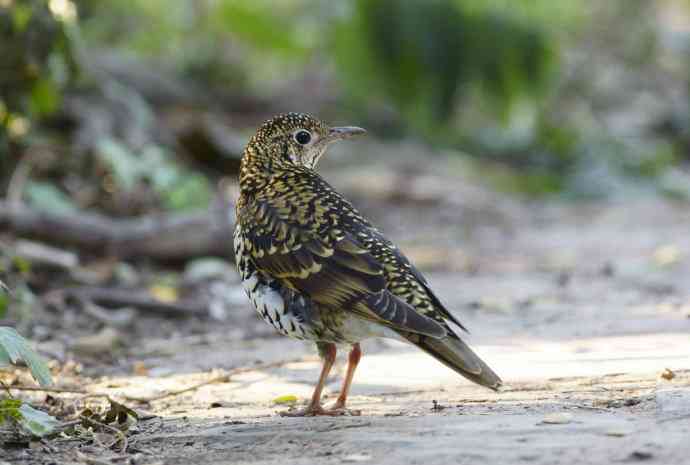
<point>266,300</point>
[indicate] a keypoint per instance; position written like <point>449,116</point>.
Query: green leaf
<point>261,25</point>
<point>125,166</point>
<point>9,409</point>
<point>190,192</point>
<point>14,347</point>
<point>22,265</point>
<point>44,97</point>
<point>36,422</point>
<point>21,15</point>
<point>4,300</point>
<point>47,197</point>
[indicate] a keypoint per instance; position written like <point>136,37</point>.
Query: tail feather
<point>456,355</point>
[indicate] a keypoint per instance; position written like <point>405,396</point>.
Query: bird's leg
<point>352,362</point>
<point>327,351</point>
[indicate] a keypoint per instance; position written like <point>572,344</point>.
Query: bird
<point>316,269</point>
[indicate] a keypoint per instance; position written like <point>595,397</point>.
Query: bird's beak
<point>344,132</point>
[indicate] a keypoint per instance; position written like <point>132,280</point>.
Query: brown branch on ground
<point>224,378</point>
<point>123,297</point>
<point>165,237</point>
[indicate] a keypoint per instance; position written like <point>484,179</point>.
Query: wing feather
<point>335,270</point>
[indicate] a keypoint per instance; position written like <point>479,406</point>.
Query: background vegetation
<point>125,107</point>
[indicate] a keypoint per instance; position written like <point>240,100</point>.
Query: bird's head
<point>295,139</point>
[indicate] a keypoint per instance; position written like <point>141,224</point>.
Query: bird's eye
<point>302,137</point>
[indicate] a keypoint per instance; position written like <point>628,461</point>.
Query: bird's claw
<point>344,412</point>
<point>338,408</point>
<point>318,411</point>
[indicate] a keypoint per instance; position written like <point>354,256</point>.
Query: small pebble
<point>667,374</point>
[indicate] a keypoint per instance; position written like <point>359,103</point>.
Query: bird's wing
<point>310,243</point>
<point>408,284</point>
<point>406,281</point>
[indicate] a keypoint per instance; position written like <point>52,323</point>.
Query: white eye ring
<point>302,136</point>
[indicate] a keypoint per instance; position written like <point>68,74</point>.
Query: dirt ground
<point>580,309</point>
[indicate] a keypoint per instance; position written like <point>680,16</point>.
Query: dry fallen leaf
<point>557,418</point>
<point>666,255</point>
<point>162,293</point>
<point>667,374</point>
<point>116,412</point>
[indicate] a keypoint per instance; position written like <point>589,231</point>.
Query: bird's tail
<point>455,354</point>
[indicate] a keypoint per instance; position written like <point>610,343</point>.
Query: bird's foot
<point>342,411</point>
<point>338,408</point>
<point>309,411</point>
<point>317,410</point>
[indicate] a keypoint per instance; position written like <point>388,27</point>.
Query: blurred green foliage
<point>224,43</point>
<point>37,63</point>
<point>421,56</point>
<point>177,189</point>
<point>529,87</point>
<point>14,348</point>
<point>425,56</point>
<point>47,197</point>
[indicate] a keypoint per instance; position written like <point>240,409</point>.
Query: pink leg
<point>328,352</point>
<point>352,362</point>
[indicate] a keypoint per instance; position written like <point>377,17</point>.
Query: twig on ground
<point>216,379</point>
<point>68,424</point>
<point>588,407</point>
<point>57,390</point>
<point>156,236</point>
<point>138,298</point>
<point>38,253</point>
<point>118,318</point>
